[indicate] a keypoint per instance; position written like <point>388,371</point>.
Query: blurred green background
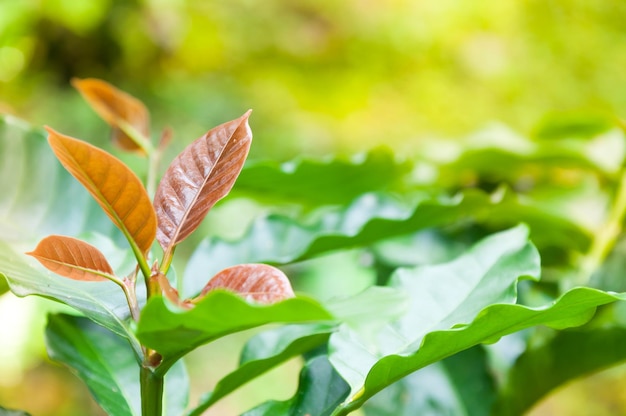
<point>322,77</point>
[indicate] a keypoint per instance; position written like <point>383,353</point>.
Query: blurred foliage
<point>321,75</point>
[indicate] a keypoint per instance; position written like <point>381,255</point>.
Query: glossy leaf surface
<point>115,107</point>
<point>73,258</point>
<point>199,177</point>
<point>107,365</point>
<point>320,390</point>
<point>574,308</point>
<point>173,333</point>
<point>113,185</point>
<point>254,282</point>
<point>265,351</point>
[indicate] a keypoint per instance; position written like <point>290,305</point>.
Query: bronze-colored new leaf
<point>198,177</point>
<point>72,258</point>
<point>115,106</point>
<point>257,282</point>
<point>114,186</point>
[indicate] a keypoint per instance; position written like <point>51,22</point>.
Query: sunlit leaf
<point>173,333</point>
<point>107,365</point>
<point>256,282</point>
<point>265,351</point>
<point>199,177</point>
<point>113,185</point>
<point>115,107</point>
<point>320,390</point>
<point>39,197</point>
<point>73,258</point>
<point>368,220</point>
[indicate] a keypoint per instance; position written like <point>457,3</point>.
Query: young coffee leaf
<point>73,258</point>
<point>113,185</point>
<point>116,107</point>
<point>257,282</point>
<point>199,177</point>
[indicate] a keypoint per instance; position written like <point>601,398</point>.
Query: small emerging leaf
<point>116,107</point>
<point>72,258</point>
<point>113,185</point>
<point>257,282</point>
<point>199,177</point>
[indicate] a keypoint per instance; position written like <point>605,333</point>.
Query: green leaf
<point>38,196</point>
<point>103,302</point>
<point>320,390</point>
<point>574,308</point>
<point>322,182</point>
<point>442,296</point>
<point>106,363</point>
<point>459,385</point>
<point>266,351</point>
<point>572,125</point>
<point>570,354</point>
<point>11,412</point>
<point>369,219</point>
<point>174,332</point>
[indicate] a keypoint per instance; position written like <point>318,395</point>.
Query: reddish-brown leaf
<point>257,282</point>
<point>115,106</point>
<point>198,177</point>
<point>72,258</point>
<point>114,186</point>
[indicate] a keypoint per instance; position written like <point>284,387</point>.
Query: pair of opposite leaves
<point>197,178</point>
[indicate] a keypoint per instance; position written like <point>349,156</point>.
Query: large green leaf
<point>106,363</point>
<point>265,351</point>
<point>103,302</point>
<point>320,182</point>
<point>38,196</point>
<point>369,219</point>
<point>568,355</point>
<point>442,296</point>
<point>459,385</point>
<point>574,308</point>
<point>320,390</point>
<point>174,332</point>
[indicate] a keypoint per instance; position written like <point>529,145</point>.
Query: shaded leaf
<point>107,365</point>
<point>116,107</point>
<point>73,258</point>
<point>199,177</point>
<point>327,181</point>
<point>264,352</point>
<point>570,354</point>
<point>458,385</point>
<point>112,184</point>
<point>173,333</point>
<point>320,390</point>
<point>39,197</point>
<point>12,412</point>
<point>255,282</point>
<point>369,219</point>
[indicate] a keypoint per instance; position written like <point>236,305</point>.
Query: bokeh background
<point>323,76</point>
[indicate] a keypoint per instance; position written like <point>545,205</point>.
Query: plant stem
<point>151,392</point>
<point>607,235</point>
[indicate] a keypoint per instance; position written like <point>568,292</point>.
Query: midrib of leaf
<point>191,205</point>
<point>105,365</point>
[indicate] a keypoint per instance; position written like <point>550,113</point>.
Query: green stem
<point>607,235</point>
<point>151,392</point>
